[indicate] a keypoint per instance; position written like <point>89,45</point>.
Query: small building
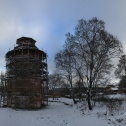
<point>26,75</point>
<point>111,89</point>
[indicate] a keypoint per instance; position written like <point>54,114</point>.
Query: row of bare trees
<point>87,55</point>
<point>56,83</point>
<point>120,72</point>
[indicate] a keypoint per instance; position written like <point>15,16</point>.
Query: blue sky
<point>47,21</point>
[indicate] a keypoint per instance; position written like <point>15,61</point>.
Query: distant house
<point>111,89</point>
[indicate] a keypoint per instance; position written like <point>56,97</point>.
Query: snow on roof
<point>114,88</point>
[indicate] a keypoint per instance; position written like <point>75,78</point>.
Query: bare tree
<point>121,67</point>
<point>55,82</point>
<point>64,63</point>
<point>94,47</point>
<point>121,73</point>
<point>122,84</point>
<point>77,64</point>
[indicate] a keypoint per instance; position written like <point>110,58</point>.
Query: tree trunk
<point>89,99</point>
<point>72,93</point>
<point>75,102</point>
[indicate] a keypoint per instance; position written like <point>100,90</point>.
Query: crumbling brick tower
<point>26,75</point>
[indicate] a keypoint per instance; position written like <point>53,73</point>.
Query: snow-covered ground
<point>62,112</point>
